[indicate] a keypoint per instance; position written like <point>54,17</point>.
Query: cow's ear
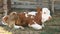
<point>40,9</point>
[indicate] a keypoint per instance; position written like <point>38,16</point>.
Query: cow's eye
<point>44,12</point>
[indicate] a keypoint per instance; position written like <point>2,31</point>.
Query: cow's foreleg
<point>43,24</point>
<point>17,27</point>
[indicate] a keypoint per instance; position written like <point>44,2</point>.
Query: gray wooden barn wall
<point>42,3</point>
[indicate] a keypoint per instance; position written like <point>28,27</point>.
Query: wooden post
<point>7,6</point>
<point>53,6</point>
<point>50,6</point>
<point>38,3</point>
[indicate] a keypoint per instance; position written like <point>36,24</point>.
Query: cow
<point>31,19</point>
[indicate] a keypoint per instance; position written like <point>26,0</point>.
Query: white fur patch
<point>26,15</point>
<point>32,17</point>
<point>17,27</point>
<point>36,26</point>
<point>32,13</point>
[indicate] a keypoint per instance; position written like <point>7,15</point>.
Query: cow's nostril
<point>50,18</point>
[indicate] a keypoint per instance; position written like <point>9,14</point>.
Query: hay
<point>3,31</point>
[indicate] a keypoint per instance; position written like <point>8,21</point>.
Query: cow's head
<point>46,14</point>
<point>41,16</point>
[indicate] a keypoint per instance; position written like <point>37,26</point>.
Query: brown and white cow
<point>32,19</point>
